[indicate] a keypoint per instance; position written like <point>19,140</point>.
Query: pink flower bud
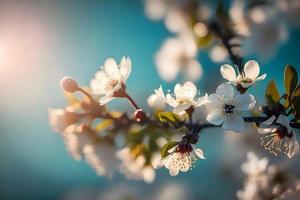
<point>69,84</point>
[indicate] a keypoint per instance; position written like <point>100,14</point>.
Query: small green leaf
<point>272,94</point>
<point>168,117</point>
<point>164,150</point>
<point>103,125</point>
<point>290,79</point>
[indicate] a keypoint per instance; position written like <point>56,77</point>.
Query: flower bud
<point>140,115</point>
<point>69,84</point>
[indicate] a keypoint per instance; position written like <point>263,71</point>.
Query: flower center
<point>228,108</point>
<point>184,148</point>
<point>283,132</point>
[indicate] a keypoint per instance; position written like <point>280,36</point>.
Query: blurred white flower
<point>60,119</point>
<point>247,78</point>
<point>155,102</point>
<point>110,80</point>
<point>218,53</point>
<point>178,55</point>
<point>76,138</point>
<point>185,97</point>
<point>258,184</point>
<point>279,138</point>
<point>181,158</point>
<point>102,158</point>
<point>134,167</point>
<point>224,108</point>
<point>156,9</point>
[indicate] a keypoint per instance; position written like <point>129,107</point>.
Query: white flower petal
<point>228,72</point>
<point>111,68</point>
<point>251,69</point>
<point>235,123</point>
<point>270,120</point>
<point>199,153</point>
<point>186,91</point>
<point>214,102</point>
<point>125,68</point>
<point>266,130</point>
<point>181,108</point>
<point>225,91</point>
<point>262,77</point>
<point>215,118</point>
<point>173,171</point>
<point>244,102</point>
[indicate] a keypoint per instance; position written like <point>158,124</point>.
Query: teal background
<point>75,37</point>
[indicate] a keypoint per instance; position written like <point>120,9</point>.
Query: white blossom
<point>60,119</point>
<point>134,167</point>
<point>279,138</point>
<point>101,156</point>
<point>178,55</point>
<point>110,80</point>
<point>248,77</point>
<point>225,108</point>
<point>181,158</point>
<point>184,97</point>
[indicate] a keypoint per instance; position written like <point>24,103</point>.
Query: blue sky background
<point>50,39</point>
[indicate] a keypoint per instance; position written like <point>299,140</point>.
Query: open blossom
<point>225,108</point>
<point>101,157</point>
<point>60,119</point>
<point>178,55</point>
<point>184,97</point>
<point>247,78</point>
<point>109,82</point>
<point>134,167</point>
<point>181,158</point>
<point>279,138</point>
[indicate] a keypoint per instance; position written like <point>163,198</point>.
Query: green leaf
<point>103,125</point>
<point>290,79</point>
<point>272,94</point>
<point>168,117</point>
<point>164,150</point>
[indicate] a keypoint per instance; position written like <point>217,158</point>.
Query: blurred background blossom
<point>42,41</point>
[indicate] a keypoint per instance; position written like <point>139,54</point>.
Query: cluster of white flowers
<point>265,181</point>
<point>256,24</point>
<point>134,167</point>
<point>177,55</point>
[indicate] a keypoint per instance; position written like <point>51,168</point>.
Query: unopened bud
<point>140,115</point>
<point>69,84</point>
